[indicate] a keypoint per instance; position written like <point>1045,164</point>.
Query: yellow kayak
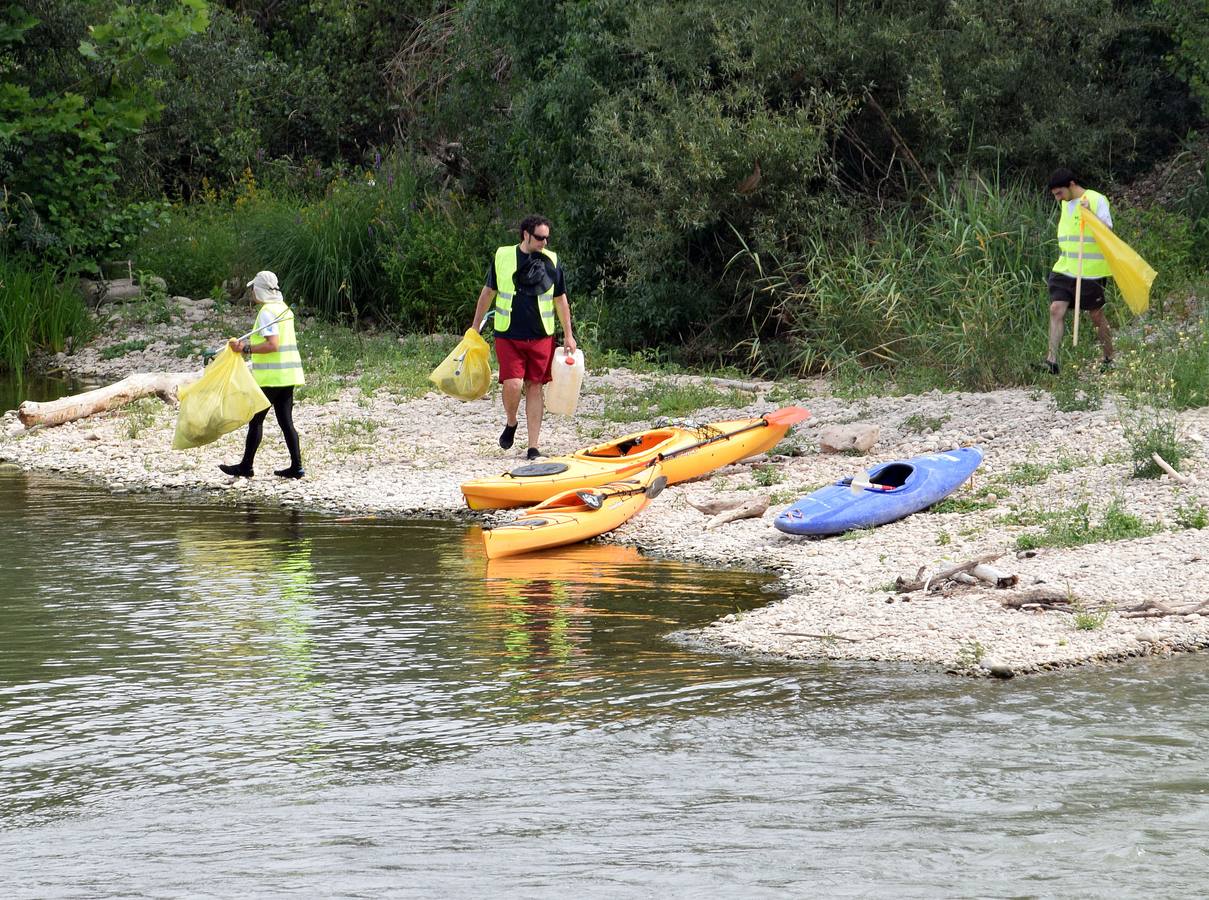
<point>682,453</point>
<point>575,515</point>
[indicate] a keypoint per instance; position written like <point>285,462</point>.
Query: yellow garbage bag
<point>1131,273</point>
<point>466,372</point>
<point>223,399</point>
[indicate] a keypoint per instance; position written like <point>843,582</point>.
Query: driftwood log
<point>79,406</point>
<point>1043,598</point>
<point>752,509</point>
<point>1166,467</point>
<point>715,506</point>
<point>905,586</point>
<point>1153,609</point>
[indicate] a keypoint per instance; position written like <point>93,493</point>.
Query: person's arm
<point>270,345</point>
<point>563,308</point>
<point>486,296</point>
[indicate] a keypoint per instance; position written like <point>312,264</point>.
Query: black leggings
<point>282,399</point>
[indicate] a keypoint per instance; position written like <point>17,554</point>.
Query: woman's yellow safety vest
<point>505,268</point>
<point>283,368</point>
<point>1094,263</point>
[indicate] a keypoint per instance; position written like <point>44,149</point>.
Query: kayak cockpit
<point>889,478</point>
<point>631,445</point>
<point>892,476</point>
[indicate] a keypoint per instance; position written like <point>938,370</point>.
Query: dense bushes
<point>686,149</point>
<point>363,242</point>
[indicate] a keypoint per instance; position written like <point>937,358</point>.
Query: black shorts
<point>1062,289</point>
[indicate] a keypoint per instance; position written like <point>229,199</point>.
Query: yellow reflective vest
<point>283,368</point>
<point>1069,238</point>
<point>505,268</point>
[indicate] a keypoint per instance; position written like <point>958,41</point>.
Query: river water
<point>225,702</point>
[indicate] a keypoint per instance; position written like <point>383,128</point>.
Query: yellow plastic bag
<point>466,372</point>
<point>223,399</point>
<point>1131,273</point>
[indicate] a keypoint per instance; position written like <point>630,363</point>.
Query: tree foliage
<point>59,134</point>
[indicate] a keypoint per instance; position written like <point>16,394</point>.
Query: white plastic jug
<point>567,370</point>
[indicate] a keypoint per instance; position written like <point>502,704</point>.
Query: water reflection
<point>247,583</point>
<point>154,644</point>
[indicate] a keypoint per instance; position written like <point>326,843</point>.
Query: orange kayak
<point>575,515</point>
<point>682,453</point>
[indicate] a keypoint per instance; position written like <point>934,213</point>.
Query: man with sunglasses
<point>527,284</point>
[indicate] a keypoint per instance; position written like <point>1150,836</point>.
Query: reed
<point>37,311</point>
<point>328,254</point>
<point>950,294</point>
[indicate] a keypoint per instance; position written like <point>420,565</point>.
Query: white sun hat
<point>264,286</point>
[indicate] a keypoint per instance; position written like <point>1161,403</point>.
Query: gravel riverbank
<point>383,455</point>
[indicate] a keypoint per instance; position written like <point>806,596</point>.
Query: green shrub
<point>194,248</point>
<point>435,261</point>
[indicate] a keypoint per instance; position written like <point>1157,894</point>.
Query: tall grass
<point>952,292</point>
<point>328,253</point>
<point>37,311</point>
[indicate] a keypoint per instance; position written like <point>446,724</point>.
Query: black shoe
<point>238,471</point>
<point>507,436</point>
<point>1106,365</point>
<point>291,472</point>
<point>533,453</point>
<point>1046,366</point>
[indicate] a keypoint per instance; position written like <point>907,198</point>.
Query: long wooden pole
<point>1078,283</point>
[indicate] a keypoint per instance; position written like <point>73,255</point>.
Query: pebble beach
<point>387,456</point>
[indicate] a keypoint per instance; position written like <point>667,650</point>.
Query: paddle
<point>859,482</point>
<point>789,415</point>
<point>593,500</point>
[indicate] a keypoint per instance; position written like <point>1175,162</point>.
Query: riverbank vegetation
<point>803,188</point>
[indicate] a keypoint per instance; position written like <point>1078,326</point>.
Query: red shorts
<point>529,360</point>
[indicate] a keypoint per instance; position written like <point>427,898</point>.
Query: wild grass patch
<point>766,475</point>
<point>920,424</point>
<point>116,351</point>
<point>141,415</point>
<point>671,399</point>
<point>966,503</point>
<point>1191,514</point>
<point>1075,526</point>
<point>352,435</point>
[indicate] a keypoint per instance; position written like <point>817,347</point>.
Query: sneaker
<point>291,472</point>
<point>533,453</point>
<point>507,436</point>
<point>1046,366</point>
<point>237,471</point>
<point>1106,365</point>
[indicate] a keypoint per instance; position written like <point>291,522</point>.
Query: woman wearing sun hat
<point>277,368</point>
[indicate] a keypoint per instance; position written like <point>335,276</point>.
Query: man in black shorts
<point>1079,259</point>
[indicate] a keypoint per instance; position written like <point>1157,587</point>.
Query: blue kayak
<point>895,490</point>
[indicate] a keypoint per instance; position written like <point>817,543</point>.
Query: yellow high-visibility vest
<point>283,368</point>
<point>505,290</point>
<point>1069,238</point>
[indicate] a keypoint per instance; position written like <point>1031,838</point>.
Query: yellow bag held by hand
<point>466,372</point>
<point>1133,275</point>
<point>223,399</point>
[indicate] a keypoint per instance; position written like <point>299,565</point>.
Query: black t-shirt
<point>526,319</point>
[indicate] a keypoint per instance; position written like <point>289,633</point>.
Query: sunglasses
<point>540,237</point>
